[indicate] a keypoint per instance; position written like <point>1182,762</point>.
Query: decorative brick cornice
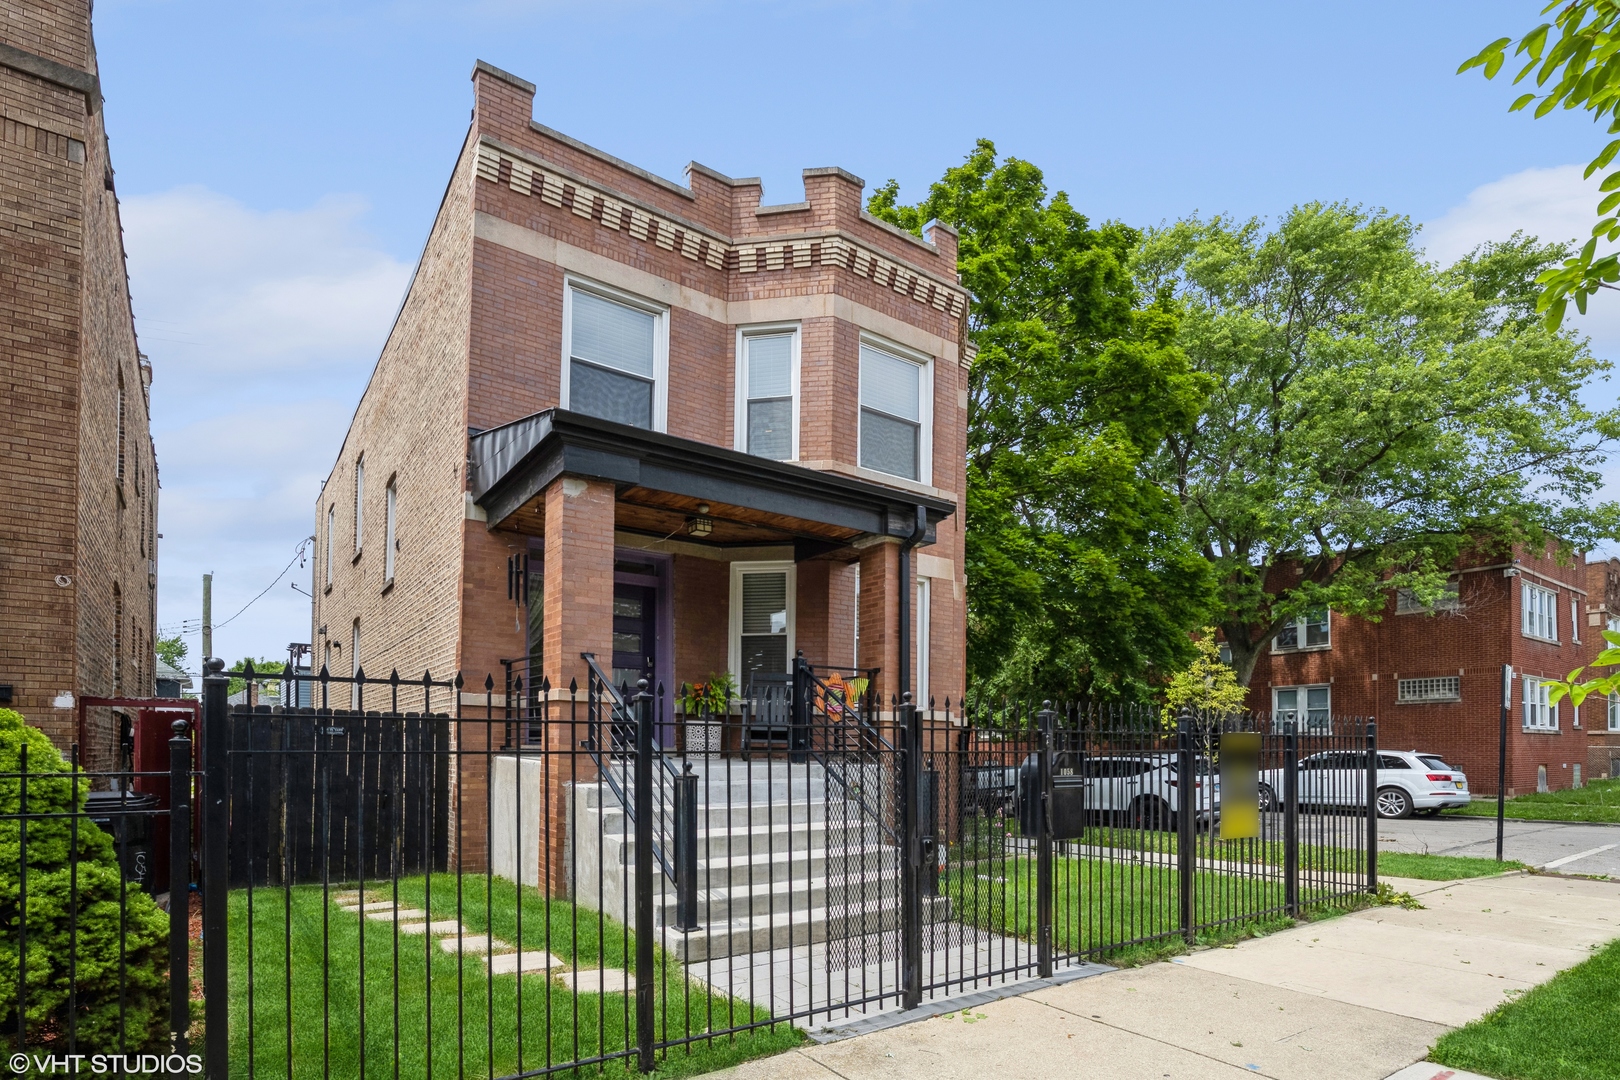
<point>524,175</point>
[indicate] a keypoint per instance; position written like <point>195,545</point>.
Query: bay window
<point>893,413</point>
<point>614,368</point>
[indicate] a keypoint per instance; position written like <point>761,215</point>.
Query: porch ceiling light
<point>700,525</point>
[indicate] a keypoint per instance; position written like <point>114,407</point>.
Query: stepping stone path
<point>503,959</point>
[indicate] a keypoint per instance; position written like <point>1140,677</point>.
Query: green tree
<point>1079,579</point>
<point>1208,684</point>
<point>261,666</point>
<point>171,650</point>
<point>83,947</point>
<point>1579,55</point>
<point>1373,415</point>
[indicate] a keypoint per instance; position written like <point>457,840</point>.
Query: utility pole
<point>208,616</point>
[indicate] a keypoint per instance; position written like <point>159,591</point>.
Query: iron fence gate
<point>515,879</point>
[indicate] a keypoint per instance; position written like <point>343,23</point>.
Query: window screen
<point>764,623</point>
<point>891,413</point>
<point>611,360</point>
<point>769,373</point>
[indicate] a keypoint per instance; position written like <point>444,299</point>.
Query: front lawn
<point>1440,867</point>
<point>335,1014</point>
<point>1565,1029</point>
<point>1598,801</point>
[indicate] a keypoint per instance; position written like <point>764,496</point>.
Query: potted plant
<point>706,701</point>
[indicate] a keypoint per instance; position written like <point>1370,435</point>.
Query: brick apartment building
<point>78,475</point>
<point>1433,676</point>
<point>708,425</point>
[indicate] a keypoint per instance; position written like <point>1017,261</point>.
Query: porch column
<point>578,618</point>
<point>880,613</point>
<point>578,579</point>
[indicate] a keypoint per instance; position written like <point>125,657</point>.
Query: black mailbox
<point>1068,812</point>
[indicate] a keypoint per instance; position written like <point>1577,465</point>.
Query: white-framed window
<point>331,527</point>
<point>390,499</point>
<point>1309,706</point>
<point>1614,712</point>
<point>1309,631</point>
<point>615,356</point>
<point>354,666</point>
<point>768,391</point>
<point>1407,603</point>
<point>1575,619</point>
<point>1613,623</point>
<point>1441,688</point>
<point>896,418</point>
<point>762,610</point>
<point>1540,612</point>
<point>1540,714</point>
<point>924,640</point>
<point>1224,651</point>
<point>359,501</point>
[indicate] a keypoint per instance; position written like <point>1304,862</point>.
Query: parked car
<point>1143,790</point>
<point>989,789</point>
<point>1408,782</point>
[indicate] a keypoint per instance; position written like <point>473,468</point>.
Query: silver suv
<point>1408,782</point>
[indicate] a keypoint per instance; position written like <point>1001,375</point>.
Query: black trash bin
<point>127,818</point>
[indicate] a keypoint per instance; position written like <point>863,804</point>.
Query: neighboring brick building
<point>78,477</point>
<point>1603,613</point>
<point>709,426</point>
<point>1433,677</point>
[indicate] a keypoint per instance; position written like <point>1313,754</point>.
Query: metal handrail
<point>620,712</point>
<point>850,791</point>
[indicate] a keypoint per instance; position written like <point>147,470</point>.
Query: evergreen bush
<point>116,935</point>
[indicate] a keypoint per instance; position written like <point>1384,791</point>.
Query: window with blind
<point>359,501</point>
<point>891,414</point>
<point>613,364</point>
<point>767,385</point>
<point>331,518</point>
<point>1540,612</point>
<point>390,497</point>
<point>762,619</point>
<point>1308,631</point>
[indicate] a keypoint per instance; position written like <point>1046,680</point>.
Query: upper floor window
<point>893,414</point>
<point>120,427</point>
<point>359,501</point>
<point>616,359</point>
<point>389,543</point>
<point>1575,619</point>
<point>1540,614</point>
<point>1308,631</point>
<point>768,377</point>
<point>1539,711</point>
<point>331,519</point>
<point>1614,712</point>
<point>1310,706</point>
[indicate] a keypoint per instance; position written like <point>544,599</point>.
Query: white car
<point>1408,781</point>
<point>1145,790</point>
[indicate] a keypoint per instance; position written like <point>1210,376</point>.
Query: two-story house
<point>703,432</point>
<point>1432,675</point>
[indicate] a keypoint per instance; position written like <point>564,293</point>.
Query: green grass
<point>1598,801</point>
<point>1565,1029</point>
<point>475,1020</point>
<point>1100,904</point>
<point>1440,867</point>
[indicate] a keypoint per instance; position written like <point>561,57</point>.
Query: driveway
<point>1573,848</point>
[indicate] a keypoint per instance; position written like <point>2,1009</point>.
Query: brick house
<point>78,474</point>
<point>1603,613</point>
<point>709,429</point>
<point>1433,676</point>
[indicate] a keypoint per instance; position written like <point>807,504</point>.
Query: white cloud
<point>223,290</point>
<point>262,327</point>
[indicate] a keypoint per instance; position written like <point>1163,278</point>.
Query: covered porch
<point>677,561</point>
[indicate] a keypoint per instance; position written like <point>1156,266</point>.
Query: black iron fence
<point>418,878</point>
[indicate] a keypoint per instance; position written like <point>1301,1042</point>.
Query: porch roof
<point>514,463</point>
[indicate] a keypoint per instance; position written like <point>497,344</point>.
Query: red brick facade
<point>1366,663</point>
<point>78,558</point>
<point>480,343</point>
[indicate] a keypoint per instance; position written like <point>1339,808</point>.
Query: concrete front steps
<point>787,856</point>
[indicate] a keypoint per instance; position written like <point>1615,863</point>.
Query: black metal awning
<point>514,463</point>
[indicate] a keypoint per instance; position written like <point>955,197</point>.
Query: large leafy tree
<point>1372,415</point>
<point>1575,62</point>
<point>1080,580</point>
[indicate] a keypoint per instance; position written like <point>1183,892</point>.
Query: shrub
<point>119,950</point>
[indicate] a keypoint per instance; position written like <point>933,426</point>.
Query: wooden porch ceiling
<point>665,514</point>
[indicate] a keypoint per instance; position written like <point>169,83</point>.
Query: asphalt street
<point>1571,848</point>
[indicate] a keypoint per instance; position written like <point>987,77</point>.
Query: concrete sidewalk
<point>1359,997</point>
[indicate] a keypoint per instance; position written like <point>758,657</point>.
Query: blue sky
<point>279,166</point>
